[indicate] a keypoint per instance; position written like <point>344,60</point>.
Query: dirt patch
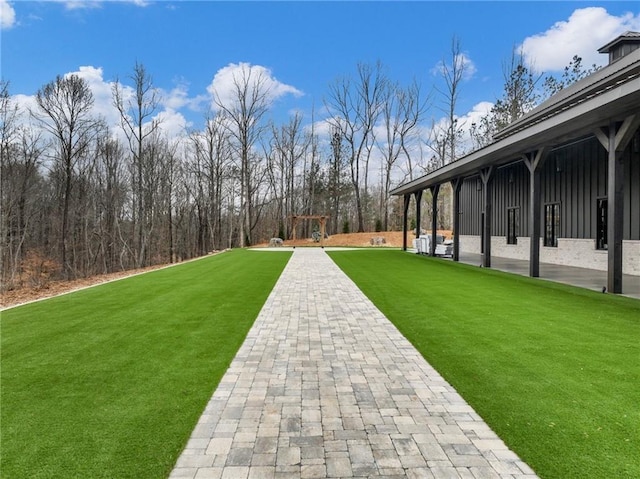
<point>392,239</point>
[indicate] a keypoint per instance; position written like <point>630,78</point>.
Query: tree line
<point>81,197</point>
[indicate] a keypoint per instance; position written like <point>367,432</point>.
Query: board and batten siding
<point>574,176</point>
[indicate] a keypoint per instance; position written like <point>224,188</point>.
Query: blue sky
<point>303,45</point>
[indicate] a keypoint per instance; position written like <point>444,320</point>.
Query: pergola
<point>322,219</point>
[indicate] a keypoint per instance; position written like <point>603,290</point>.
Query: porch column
<point>418,197</point>
<point>456,186</point>
<point>434,218</point>
<point>615,142</point>
<point>615,202</point>
<point>534,162</point>
<point>407,200</point>
<point>486,176</point>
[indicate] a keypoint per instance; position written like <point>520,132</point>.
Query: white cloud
<point>102,93</point>
<point>7,15</point>
<point>80,4</point>
<point>223,88</point>
<point>25,104</point>
<point>477,112</point>
<point>464,123</point>
<point>87,4</point>
<point>463,61</point>
<point>586,30</point>
<point>172,121</point>
<point>178,97</point>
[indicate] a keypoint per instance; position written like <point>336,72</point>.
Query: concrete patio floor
<point>582,277</point>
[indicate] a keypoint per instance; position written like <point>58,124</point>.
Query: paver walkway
<point>326,386</point>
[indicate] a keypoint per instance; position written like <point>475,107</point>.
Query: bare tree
<point>249,102</point>
<point>137,110</point>
<point>288,147</point>
<point>447,135</point>
<point>212,157</point>
<point>402,111</point>
<point>21,152</point>
<point>356,108</point>
<point>337,182</point>
<point>65,106</point>
<point>112,191</point>
<point>9,112</point>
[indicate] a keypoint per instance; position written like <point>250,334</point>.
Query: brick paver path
<point>326,386</point>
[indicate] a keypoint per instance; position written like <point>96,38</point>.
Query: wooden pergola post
<point>323,220</point>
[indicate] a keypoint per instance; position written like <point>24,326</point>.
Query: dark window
<point>551,224</point>
<point>513,225</point>
<point>601,224</point>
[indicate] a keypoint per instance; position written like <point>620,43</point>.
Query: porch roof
<point>610,94</point>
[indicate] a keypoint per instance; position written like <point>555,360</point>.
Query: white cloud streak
<point>586,30</point>
<point>89,4</point>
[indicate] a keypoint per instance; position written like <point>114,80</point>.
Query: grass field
<point>555,370</point>
<point>110,381</point>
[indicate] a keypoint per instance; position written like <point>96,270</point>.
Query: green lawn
<point>555,370</point>
<point>109,382</point>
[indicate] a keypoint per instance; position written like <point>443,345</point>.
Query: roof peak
<point>629,35</point>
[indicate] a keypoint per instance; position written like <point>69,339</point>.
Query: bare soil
<point>393,239</point>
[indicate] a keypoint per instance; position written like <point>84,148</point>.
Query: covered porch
<point>604,106</point>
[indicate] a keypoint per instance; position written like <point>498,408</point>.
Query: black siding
<point>574,176</point>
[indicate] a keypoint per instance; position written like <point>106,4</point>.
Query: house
<point>560,185</point>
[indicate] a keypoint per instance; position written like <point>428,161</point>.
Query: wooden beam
<point>626,131</point>
<point>602,137</point>
<point>623,135</point>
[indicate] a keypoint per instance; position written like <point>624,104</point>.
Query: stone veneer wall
<point>570,252</point>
